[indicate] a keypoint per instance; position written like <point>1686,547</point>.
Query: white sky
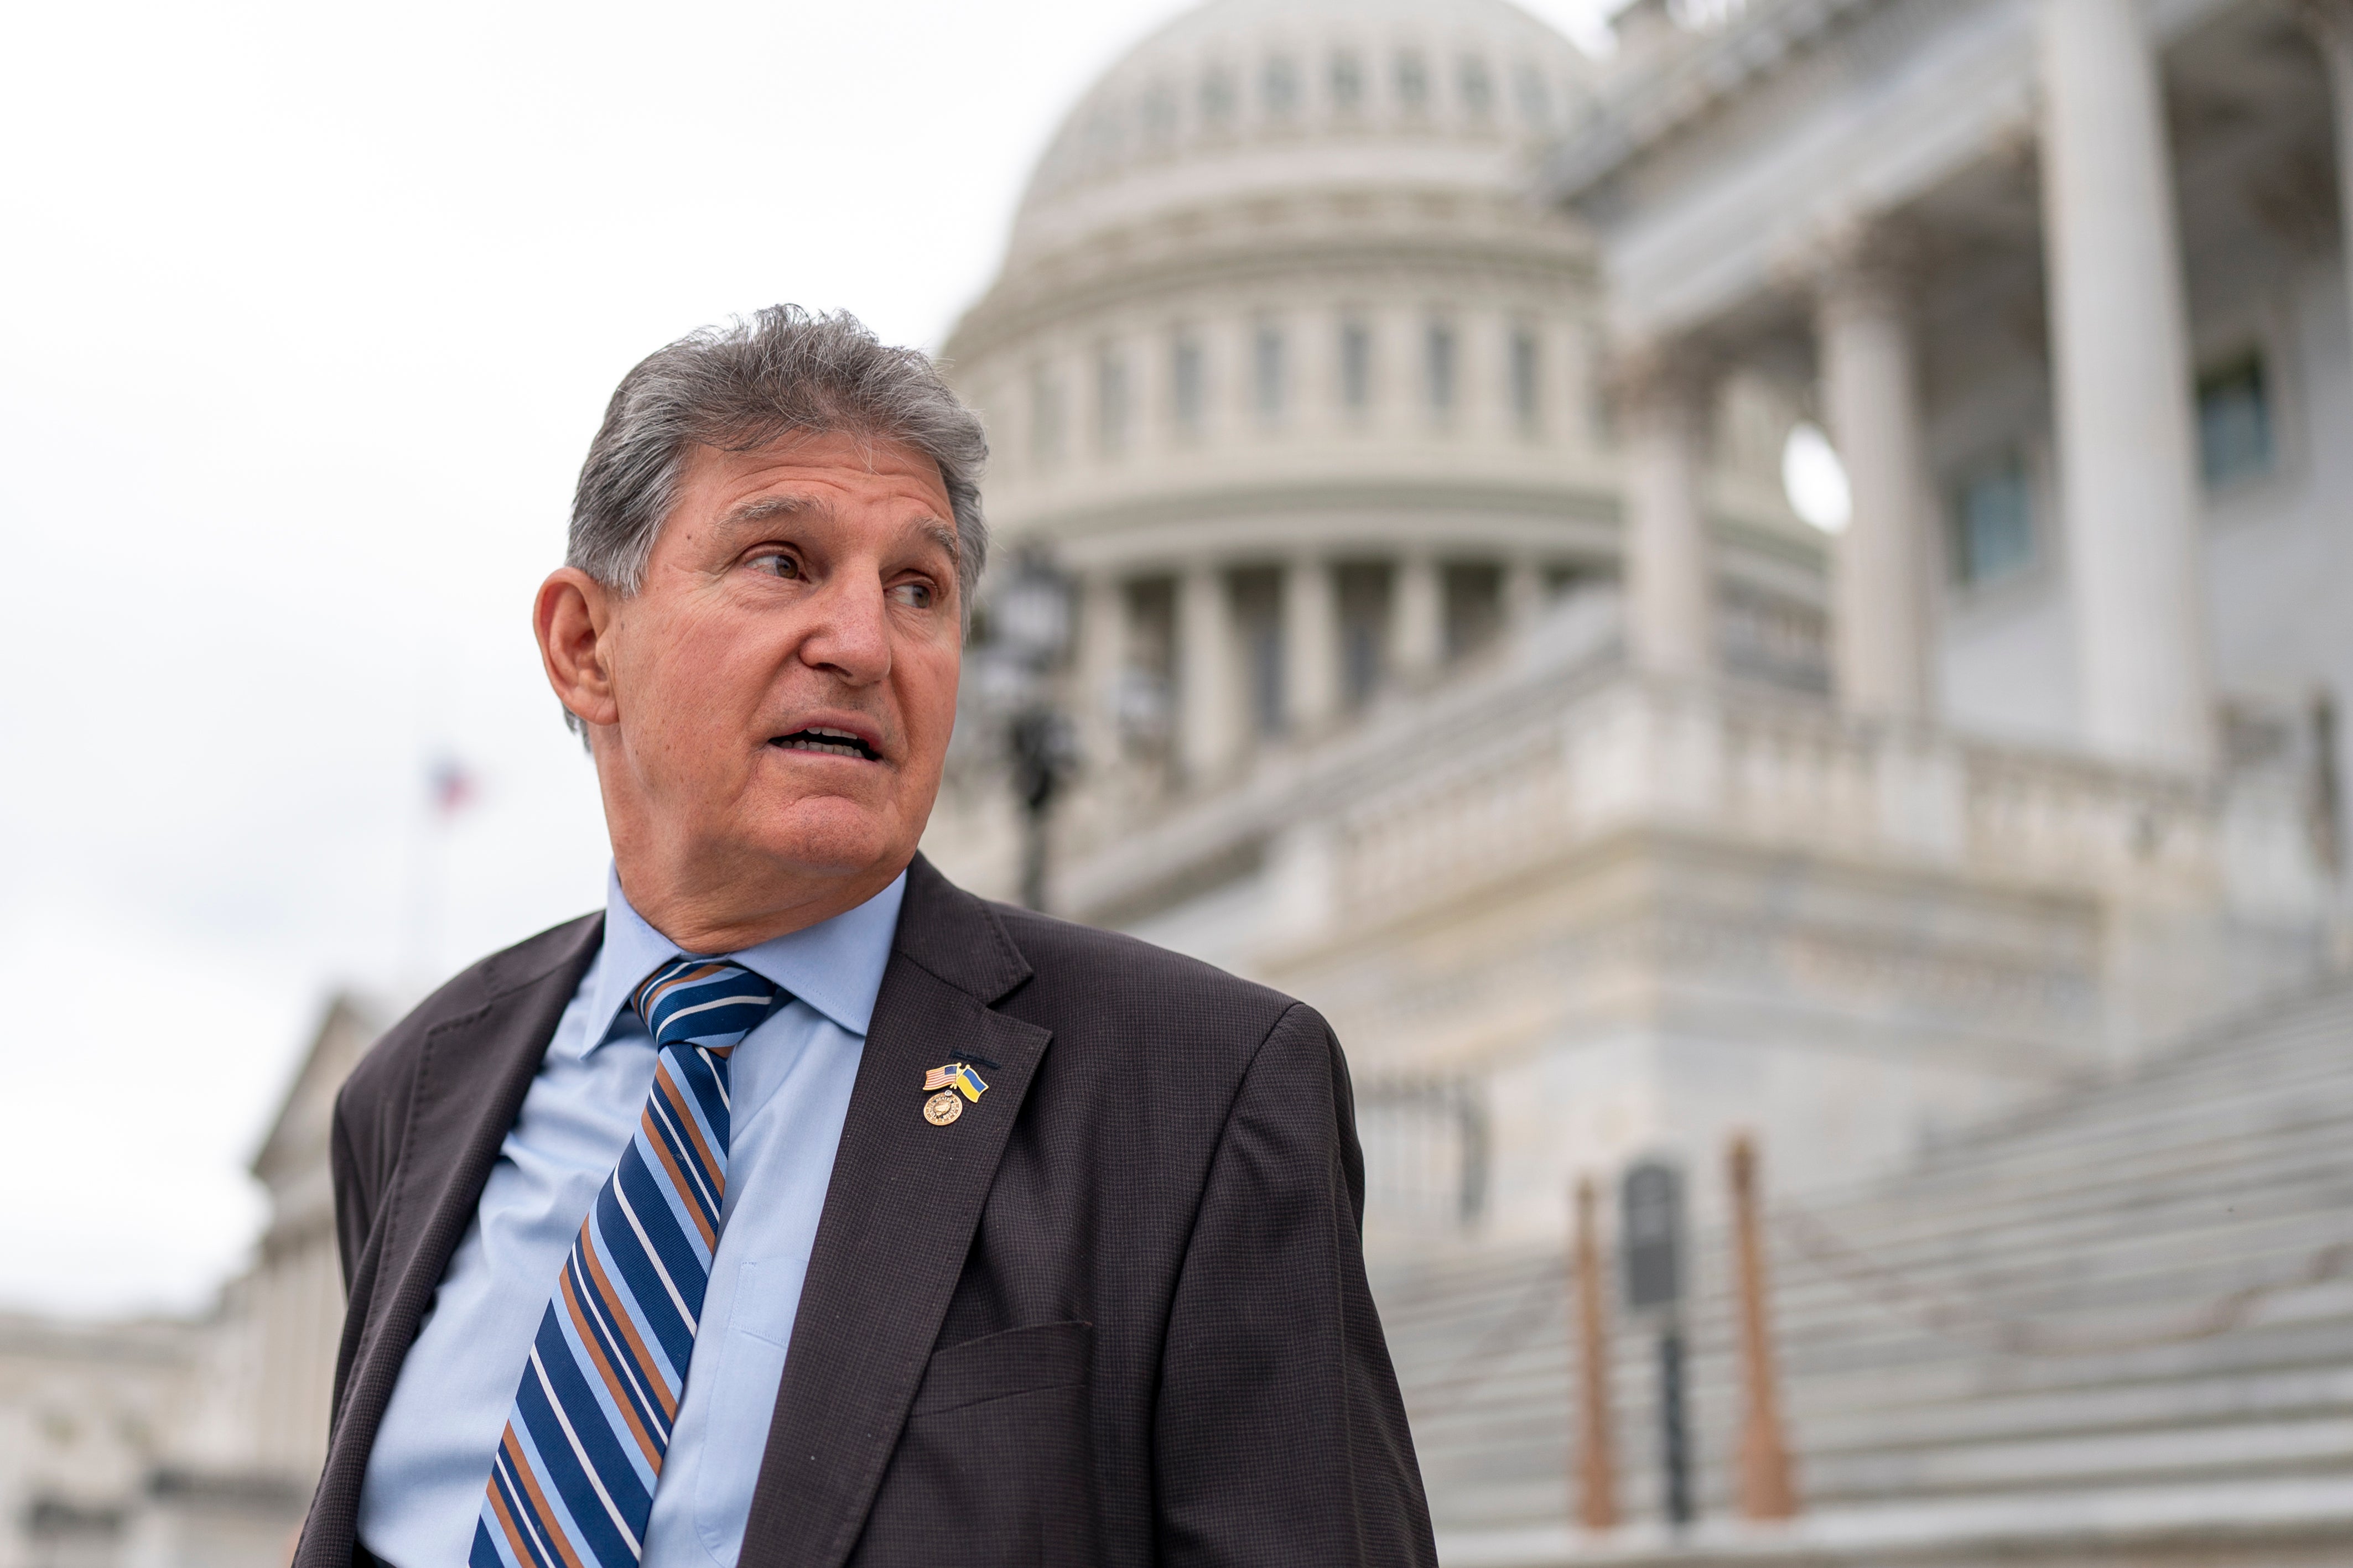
<point>306,315</point>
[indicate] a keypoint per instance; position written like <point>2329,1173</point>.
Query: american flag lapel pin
<point>944,1084</point>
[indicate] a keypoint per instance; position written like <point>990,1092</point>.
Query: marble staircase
<point>2114,1328</point>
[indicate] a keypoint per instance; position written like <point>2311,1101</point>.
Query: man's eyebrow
<point>943,534</point>
<point>762,509</point>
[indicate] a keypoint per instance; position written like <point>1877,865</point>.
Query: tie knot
<point>703,1002</point>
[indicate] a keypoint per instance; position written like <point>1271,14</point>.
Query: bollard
<point>1766,1490</point>
<point>1596,1464</point>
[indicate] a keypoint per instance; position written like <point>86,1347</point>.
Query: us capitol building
<point>1400,398</point>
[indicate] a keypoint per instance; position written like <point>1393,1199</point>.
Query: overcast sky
<point>306,315</point>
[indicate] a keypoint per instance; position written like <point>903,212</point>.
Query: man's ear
<point>571,616</point>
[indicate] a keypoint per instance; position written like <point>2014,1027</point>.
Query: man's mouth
<point>838,743</point>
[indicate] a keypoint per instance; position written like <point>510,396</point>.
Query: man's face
<point>784,683</point>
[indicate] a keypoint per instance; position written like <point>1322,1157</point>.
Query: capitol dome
<point>1287,366</point>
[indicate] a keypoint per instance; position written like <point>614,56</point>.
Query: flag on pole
<point>451,787</point>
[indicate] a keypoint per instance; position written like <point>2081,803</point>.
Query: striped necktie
<point>572,1482</point>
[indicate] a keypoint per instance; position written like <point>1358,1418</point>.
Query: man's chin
<point>830,835</point>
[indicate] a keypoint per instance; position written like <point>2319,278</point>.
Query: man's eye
<point>914,595</point>
<point>777,564</point>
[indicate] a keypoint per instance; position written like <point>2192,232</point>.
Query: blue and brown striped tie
<point>572,1482</point>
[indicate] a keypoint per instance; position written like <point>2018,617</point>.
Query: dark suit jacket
<point>1115,1313</point>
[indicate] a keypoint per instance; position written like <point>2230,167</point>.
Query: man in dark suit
<point>801,1208</point>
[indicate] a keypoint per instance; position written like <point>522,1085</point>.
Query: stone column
<point>2118,341</point>
<point>1208,733</point>
<point>2331,23</point>
<point>1417,620</point>
<point>1102,661</point>
<point>1310,647</point>
<point>1668,564</point>
<point>1870,385</point>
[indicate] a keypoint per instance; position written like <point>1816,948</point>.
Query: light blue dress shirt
<point>790,1082</point>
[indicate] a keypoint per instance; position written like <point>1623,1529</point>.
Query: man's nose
<point>850,634</point>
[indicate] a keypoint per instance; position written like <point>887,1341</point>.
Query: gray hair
<point>740,387</point>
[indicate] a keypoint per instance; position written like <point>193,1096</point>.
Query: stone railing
<point>1633,753</point>
<point>1506,774</point>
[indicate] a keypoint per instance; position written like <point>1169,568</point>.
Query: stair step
<point>2117,1211</point>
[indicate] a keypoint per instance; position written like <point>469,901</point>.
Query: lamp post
<point>1651,1229</point>
<point>1029,636</point>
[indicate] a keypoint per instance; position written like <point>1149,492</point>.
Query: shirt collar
<point>836,966</point>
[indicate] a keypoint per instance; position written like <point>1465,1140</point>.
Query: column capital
<point>1664,375</point>
<point>1666,559</point>
<point>1870,263</point>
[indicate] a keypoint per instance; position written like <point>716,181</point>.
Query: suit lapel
<point>899,1218</point>
<point>472,1073</point>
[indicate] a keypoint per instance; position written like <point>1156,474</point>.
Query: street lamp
<point>1029,636</point>
<point>1652,1232</point>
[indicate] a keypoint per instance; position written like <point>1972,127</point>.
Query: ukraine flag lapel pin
<point>944,1084</point>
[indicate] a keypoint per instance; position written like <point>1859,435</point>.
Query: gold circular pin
<point>943,1108</point>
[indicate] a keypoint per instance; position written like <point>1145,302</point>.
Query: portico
<point>2005,169</point>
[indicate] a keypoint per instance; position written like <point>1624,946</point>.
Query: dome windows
<point>1478,90</point>
<point>1413,82</point>
<point>1279,87</point>
<point>1159,116</point>
<point>1186,383</point>
<point>1288,77</point>
<point>1347,82</point>
<point>1356,366</point>
<point>1535,98</point>
<point>1111,399</point>
<point>1527,378</point>
<point>1217,97</point>
<point>1282,90</point>
<point>1269,377</point>
<point>1105,134</point>
<point>1439,366</point>
<point>1045,417</point>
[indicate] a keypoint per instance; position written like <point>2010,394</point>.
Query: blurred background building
<point>1402,601</point>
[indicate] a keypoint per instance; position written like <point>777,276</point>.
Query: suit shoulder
<point>389,1066</point>
<point>1113,975</point>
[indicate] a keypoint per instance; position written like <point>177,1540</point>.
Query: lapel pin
<point>944,1084</point>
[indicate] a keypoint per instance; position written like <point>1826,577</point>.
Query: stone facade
<point>1403,395</point>
<point>1640,809</point>
<point>171,1444</point>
